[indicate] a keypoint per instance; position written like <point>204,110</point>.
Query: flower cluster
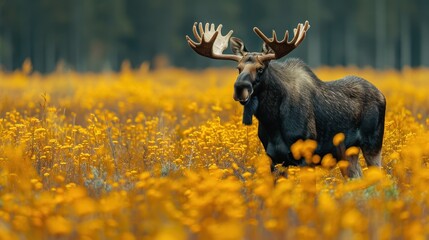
<point>162,154</point>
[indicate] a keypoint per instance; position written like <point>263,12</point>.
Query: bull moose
<point>292,103</point>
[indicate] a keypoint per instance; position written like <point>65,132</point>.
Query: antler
<point>283,47</point>
<point>210,42</point>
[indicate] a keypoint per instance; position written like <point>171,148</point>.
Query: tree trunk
<point>350,42</point>
<point>50,61</point>
<point>424,30</point>
<point>405,60</point>
<point>380,34</point>
<point>313,46</point>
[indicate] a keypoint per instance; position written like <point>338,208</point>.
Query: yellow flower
<point>84,206</point>
<point>343,165</point>
<point>315,159</point>
<point>58,225</point>
<point>328,161</point>
<point>353,219</point>
<point>246,174</point>
<point>373,175</point>
<point>338,139</point>
<point>296,149</point>
<point>352,151</point>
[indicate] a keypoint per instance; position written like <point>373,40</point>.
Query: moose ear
<point>266,49</point>
<point>237,46</point>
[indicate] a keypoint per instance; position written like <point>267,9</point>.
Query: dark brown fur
<point>294,104</point>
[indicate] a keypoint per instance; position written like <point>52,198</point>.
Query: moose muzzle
<point>242,91</point>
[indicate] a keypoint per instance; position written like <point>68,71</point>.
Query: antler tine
<point>200,27</point>
<point>303,33</point>
<point>194,30</point>
<point>286,37</point>
<point>261,34</point>
<point>302,30</point>
<point>285,46</point>
<point>296,33</point>
<point>274,36</point>
<point>210,42</point>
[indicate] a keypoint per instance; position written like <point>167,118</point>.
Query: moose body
<point>292,103</point>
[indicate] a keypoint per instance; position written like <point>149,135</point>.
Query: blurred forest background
<point>96,35</point>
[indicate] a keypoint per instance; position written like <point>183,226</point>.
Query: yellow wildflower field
<point>162,154</point>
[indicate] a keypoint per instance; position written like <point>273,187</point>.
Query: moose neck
<point>291,79</point>
<point>268,92</point>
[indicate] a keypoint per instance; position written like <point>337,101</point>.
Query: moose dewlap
<point>292,103</point>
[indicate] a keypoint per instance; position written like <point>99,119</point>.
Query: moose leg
<point>371,158</point>
<point>371,148</point>
<point>373,140</point>
<point>353,170</point>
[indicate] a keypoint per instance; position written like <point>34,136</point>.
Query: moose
<point>292,103</point>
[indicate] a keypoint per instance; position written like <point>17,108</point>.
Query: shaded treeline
<point>94,35</point>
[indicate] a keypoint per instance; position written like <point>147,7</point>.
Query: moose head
<point>251,65</point>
